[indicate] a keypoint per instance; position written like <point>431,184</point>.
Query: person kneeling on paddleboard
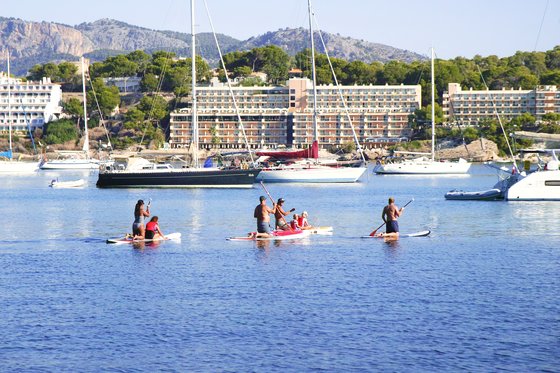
<point>294,224</point>
<point>390,215</point>
<point>281,222</point>
<point>262,212</point>
<point>153,232</point>
<point>302,221</point>
<point>138,230</point>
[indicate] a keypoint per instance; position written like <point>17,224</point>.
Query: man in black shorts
<point>390,215</point>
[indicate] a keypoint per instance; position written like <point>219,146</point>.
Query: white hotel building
<point>470,107</point>
<point>274,116</point>
<point>32,104</point>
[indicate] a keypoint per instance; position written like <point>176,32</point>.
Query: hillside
<point>33,43</point>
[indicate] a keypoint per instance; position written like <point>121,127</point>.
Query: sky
<point>454,28</point>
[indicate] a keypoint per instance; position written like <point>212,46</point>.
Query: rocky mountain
<point>31,43</point>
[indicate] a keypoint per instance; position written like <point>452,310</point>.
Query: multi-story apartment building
<point>32,104</point>
<point>473,106</point>
<point>273,116</point>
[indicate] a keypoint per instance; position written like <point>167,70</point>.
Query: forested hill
<point>33,43</point>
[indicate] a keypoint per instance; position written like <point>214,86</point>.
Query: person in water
<point>390,215</point>
<point>262,212</point>
<point>280,214</point>
<point>138,229</point>
<point>153,232</point>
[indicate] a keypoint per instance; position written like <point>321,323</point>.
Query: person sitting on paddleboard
<point>281,222</point>
<point>302,221</point>
<point>153,232</point>
<point>262,212</point>
<point>390,215</point>
<point>138,230</point>
<point>294,224</point>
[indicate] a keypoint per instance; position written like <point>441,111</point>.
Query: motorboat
<point>541,185</point>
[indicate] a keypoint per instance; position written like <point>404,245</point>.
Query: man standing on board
<point>262,212</point>
<point>390,215</point>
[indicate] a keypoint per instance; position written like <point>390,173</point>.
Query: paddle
<point>376,229</point>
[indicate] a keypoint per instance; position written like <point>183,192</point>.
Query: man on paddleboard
<point>279,214</point>
<point>390,215</point>
<point>262,212</point>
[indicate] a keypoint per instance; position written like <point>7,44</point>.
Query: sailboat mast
<point>193,90</point>
<point>313,74</point>
<point>85,148</point>
<point>9,102</point>
<point>433,110</point>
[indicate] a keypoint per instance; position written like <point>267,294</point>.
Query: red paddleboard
<point>277,235</point>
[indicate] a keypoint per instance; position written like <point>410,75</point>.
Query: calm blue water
<point>480,294</point>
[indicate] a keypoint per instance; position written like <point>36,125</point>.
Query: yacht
<point>312,169</point>
<point>424,165</point>
<point>140,172</point>
<point>542,185</point>
<point>75,160</point>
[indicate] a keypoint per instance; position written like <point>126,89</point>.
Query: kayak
<point>415,234</point>
<point>277,235</point>
<point>127,240</point>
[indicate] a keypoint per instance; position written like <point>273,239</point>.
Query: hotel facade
<point>470,107</point>
<point>32,104</point>
<point>283,116</point>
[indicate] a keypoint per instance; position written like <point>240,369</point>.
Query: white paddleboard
<point>415,234</point>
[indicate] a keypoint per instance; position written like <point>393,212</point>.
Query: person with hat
<point>138,230</point>
<point>281,222</point>
<point>262,212</point>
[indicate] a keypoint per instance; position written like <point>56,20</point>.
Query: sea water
<point>481,293</point>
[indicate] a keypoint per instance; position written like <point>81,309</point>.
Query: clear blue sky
<point>454,28</point>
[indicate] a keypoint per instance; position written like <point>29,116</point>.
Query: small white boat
<point>55,183</point>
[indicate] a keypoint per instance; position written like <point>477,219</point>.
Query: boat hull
<point>70,164</point>
<point>424,168</point>
<point>312,175</point>
<point>198,178</point>
<point>537,186</point>
<point>18,167</point>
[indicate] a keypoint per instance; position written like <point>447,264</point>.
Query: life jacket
<point>294,225</point>
<point>152,226</point>
<point>302,221</point>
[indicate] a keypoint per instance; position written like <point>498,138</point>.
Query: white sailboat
<point>76,160</point>
<point>312,170</point>
<point>139,172</point>
<point>424,165</point>
<point>10,165</point>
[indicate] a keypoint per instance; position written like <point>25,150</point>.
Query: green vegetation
<point>61,131</point>
<point>164,72</point>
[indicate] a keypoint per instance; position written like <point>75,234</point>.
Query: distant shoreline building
<point>32,104</point>
<point>283,116</point>
<point>470,107</point>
